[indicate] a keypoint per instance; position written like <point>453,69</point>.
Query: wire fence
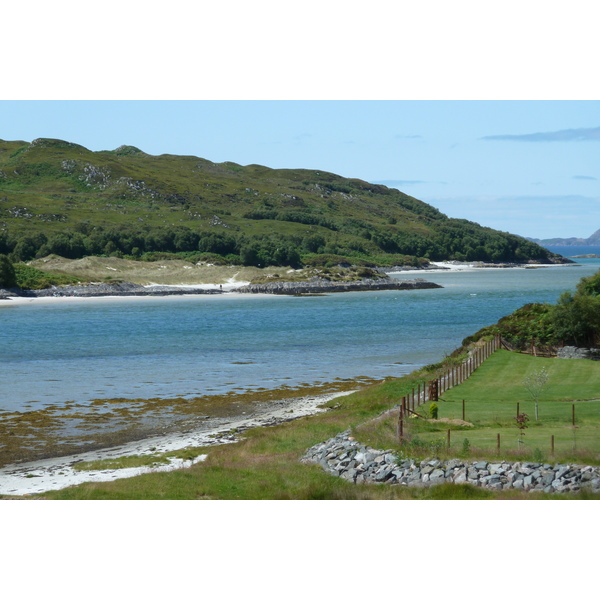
<point>433,389</point>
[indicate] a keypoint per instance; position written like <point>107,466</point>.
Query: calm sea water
<point>569,251</point>
<point>190,346</point>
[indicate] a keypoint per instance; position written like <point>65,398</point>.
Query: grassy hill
<point>58,197</point>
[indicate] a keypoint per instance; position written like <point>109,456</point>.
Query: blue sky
<point>528,167</point>
<point>488,114</point>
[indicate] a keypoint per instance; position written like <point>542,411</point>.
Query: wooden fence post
<point>433,390</point>
<point>552,445</point>
<point>401,420</point>
<point>400,427</point>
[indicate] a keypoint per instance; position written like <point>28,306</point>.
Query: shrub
<point>433,410</point>
<point>30,278</point>
<point>466,447</point>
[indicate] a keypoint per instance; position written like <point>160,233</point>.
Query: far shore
<point>229,289</point>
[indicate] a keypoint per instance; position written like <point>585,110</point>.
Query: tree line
<point>125,242</point>
<point>450,239</point>
<point>573,321</point>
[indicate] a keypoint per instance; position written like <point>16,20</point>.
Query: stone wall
<point>344,457</point>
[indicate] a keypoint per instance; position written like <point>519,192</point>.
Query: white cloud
<point>564,135</point>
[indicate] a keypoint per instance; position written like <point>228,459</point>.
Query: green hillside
<point>60,198</point>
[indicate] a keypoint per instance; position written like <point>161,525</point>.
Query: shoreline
<point>294,288</point>
<point>243,289</point>
<point>20,479</point>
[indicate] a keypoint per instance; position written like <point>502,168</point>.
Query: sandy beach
<point>57,473</point>
<point>49,300</point>
<point>229,287</point>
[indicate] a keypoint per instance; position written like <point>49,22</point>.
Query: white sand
<point>57,473</point>
<point>230,285</point>
<point>230,294</point>
<point>454,266</point>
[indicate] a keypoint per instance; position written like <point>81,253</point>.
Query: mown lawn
<point>497,390</point>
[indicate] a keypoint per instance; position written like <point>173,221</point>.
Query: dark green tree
<point>576,319</point>
<point>8,278</point>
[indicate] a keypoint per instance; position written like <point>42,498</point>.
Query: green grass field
<point>494,393</point>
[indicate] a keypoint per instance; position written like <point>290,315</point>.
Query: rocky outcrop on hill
<point>318,285</point>
<point>344,457</point>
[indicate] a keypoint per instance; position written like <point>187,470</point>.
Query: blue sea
<point>54,353</point>
<point>569,251</point>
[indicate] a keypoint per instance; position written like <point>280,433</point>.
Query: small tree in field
<point>522,425</point>
<point>535,383</point>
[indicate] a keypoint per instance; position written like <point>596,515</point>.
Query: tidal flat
<point>72,428</point>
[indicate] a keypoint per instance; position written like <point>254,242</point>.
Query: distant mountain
<point>593,240</point>
<point>60,198</point>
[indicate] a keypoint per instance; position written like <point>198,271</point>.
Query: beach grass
<point>139,460</point>
<point>175,271</point>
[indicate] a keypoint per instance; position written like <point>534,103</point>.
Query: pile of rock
<point>346,458</point>
<point>319,285</point>
<point>574,352</point>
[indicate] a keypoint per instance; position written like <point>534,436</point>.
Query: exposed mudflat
<point>56,473</point>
